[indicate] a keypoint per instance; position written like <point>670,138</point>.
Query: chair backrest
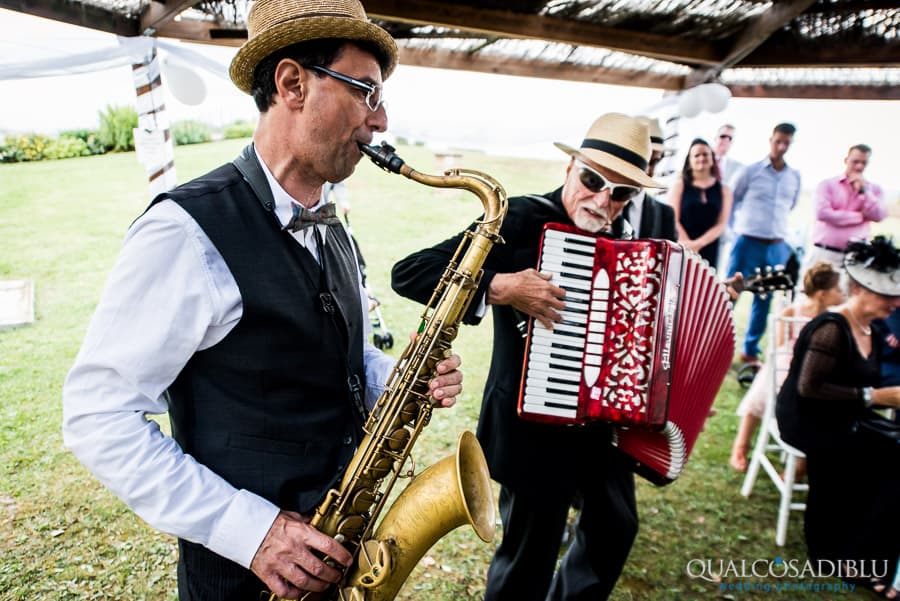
<point>779,357</point>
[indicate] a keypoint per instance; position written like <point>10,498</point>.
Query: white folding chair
<point>770,451</point>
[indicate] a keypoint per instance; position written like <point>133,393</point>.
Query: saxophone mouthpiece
<point>383,156</point>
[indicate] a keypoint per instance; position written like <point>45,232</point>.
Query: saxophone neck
<point>489,190</point>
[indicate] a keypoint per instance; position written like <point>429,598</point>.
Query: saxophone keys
<point>362,501</point>
<point>398,439</point>
<point>379,469</point>
<point>374,563</point>
<point>409,412</point>
<point>351,527</point>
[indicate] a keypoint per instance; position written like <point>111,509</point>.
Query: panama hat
<point>619,143</point>
<point>657,141</point>
<point>874,265</point>
<point>276,24</point>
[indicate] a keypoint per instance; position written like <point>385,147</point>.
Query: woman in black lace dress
<point>833,383</point>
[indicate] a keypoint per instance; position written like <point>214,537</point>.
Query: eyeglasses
<point>596,183</point>
<point>374,97</point>
<point>726,136</point>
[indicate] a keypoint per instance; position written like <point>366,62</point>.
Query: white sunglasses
<point>596,183</point>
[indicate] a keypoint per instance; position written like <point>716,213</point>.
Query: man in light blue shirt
<point>764,194</point>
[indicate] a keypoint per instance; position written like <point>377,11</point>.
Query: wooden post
<point>153,139</point>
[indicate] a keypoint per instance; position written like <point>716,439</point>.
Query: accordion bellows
<point>646,340</point>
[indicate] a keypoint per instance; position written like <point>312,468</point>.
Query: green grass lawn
<point>63,536</point>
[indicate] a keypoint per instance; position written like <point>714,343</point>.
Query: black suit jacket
<point>657,220</point>
<point>519,453</point>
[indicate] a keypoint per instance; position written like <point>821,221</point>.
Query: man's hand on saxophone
<point>448,384</point>
<point>289,558</point>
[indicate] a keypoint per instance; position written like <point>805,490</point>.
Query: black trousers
<point>205,576</point>
<point>533,523</point>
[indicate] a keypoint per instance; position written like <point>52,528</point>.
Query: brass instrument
<point>450,493</point>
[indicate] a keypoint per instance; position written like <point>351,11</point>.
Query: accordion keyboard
<point>555,356</point>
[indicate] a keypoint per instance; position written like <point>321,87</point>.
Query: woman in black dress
<point>701,201</point>
<point>834,384</point>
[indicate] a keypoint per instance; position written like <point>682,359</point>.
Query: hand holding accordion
<point>646,340</point>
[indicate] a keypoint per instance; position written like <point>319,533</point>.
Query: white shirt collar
<point>636,212</point>
<point>284,210</point>
<point>283,200</point>
<point>637,203</point>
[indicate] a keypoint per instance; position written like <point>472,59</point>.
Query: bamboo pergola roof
<point>847,49</point>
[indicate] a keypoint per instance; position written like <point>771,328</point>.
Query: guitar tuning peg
<point>758,270</point>
<point>779,267</point>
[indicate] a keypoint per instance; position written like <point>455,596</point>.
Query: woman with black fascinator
<point>827,408</point>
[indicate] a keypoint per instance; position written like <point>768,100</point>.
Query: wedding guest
<point>701,201</point>
<point>821,287</point>
<point>826,409</point>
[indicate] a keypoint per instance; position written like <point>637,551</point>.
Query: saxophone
<point>456,490</point>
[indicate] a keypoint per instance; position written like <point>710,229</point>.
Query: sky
<point>515,116</point>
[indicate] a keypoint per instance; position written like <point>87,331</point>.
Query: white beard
<point>591,223</point>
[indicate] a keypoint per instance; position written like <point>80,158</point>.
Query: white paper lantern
<point>689,103</point>
<point>715,97</point>
<point>186,86</point>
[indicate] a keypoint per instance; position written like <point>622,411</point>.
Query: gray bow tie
<point>303,217</point>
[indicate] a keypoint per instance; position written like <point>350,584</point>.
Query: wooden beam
<point>76,13</point>
<point>442,59</point>
<point>159,13</point>
<point>526,26</point>
<point>754,34</point>
<point>850,6</point>
<point>842,92</point>
<point>203,32</point>
<point>824,53</point>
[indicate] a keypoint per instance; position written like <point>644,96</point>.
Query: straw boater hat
<point>874,265</point>
<point>657,141</point>
<point>276,24</point>
<point>619,143</point>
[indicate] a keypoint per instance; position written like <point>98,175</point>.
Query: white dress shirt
<point>169,295</point>
<point>635,211</point>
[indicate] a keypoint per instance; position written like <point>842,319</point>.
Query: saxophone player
<point>236,305</point>
<point>537,464</point>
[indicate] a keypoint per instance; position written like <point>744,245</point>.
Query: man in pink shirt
<point>844,207</point>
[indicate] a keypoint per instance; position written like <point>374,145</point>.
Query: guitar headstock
<point>765,281</point>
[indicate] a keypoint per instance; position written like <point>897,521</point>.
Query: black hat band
<point>617,151</point>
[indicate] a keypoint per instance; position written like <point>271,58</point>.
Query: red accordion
<point>646,340</point>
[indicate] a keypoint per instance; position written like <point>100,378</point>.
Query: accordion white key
<point>646,340</point>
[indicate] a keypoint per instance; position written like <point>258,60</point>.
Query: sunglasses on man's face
<point>596,183</point>
<point>725,136</point>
